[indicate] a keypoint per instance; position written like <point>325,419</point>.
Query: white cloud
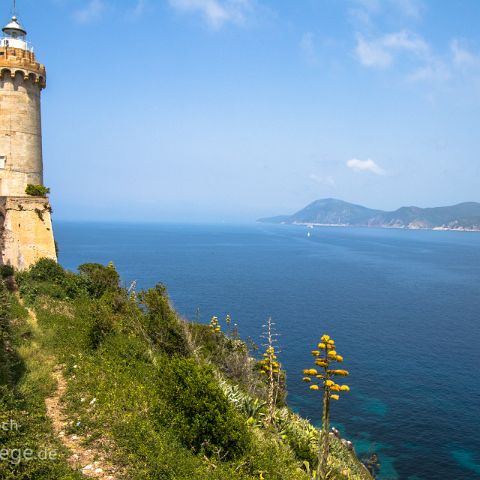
<point>380,52</point>
<point>404,40</point>
<point>433,71</point>
<point>307,45</point>
<point>92,12</point>
<point>372,53</point>
<point>216,12</point>
<point>463,58</point>
<point>365,166</point>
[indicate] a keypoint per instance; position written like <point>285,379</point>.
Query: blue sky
<point>228,110</point>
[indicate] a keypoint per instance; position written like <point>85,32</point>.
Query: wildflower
<point>327,345</point>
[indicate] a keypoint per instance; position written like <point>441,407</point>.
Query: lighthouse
<point>26,233</point>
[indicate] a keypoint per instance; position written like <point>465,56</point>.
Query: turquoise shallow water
<point>404,307</point>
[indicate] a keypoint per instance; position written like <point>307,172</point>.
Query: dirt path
<point>90,461</point>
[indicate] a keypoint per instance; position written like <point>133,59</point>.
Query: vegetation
<point>37,190</point>
<point>159,397</point>
<point>271,368</point>
<point>330,392</point>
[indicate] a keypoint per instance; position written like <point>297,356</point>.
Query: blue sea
<point>403,307</point>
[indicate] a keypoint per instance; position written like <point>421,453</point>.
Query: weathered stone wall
<point>26,232</point>
<point>25,222</point>
<point>20,135</point>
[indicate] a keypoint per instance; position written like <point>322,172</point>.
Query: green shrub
<point>37,190</point>
<point>102,278</point>
<point>47,277</point>
<point>6,271</point>
<point>200,412</point>
<point>163,325</point>
<point>46,270</point>
<point>102,325</point>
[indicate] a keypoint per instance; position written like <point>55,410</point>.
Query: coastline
<point>392,227</point>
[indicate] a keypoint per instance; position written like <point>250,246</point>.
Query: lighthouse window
<point>3,159</point>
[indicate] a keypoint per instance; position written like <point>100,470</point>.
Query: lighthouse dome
<point>14,35</point>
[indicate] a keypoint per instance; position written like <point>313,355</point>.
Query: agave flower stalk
<point>320,379</point>
<point>271,367</point>
<point>215,325</point>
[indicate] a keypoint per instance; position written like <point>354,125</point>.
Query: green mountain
<point>330,211</point>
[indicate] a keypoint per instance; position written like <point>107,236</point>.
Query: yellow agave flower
<point>335,397</point>
<point>329,383</point>
<point>325,338</point>
<point>314,387</point>
<point>307,379</point>
<point>332,353</point>
<point>345,388</point>
<point>321,346</point>
<point>339,358</point>
<point>315,353</point>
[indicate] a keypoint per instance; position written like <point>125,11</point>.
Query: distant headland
<point>337,213</point>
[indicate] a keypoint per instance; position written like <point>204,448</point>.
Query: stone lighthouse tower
<point>25,222</point>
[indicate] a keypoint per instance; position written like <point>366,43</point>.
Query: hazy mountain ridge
<point>464,216</point>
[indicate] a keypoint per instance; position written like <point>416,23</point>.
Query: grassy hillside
<point>92,372</point>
